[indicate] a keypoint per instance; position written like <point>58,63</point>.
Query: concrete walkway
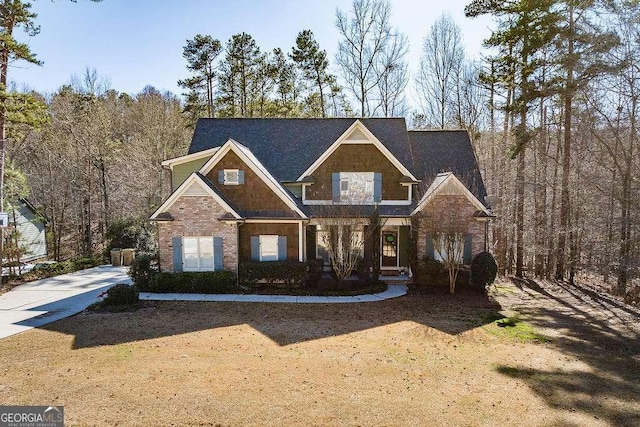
<point>393,291</point>
<point>44,301</point>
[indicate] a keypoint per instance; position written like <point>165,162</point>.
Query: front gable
<point>194,186</point>
<point>447,185</point>
<point>357,150</point>
<point>357,134</point>
<point>258,194</point>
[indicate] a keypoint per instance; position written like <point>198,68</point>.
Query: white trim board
<point>357,126</point>
<point>193,179</point>
<point>189,157</point>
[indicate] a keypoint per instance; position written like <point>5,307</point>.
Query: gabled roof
<point>434,151</point>
<point>204,185</point>
<point>287,147</point>
<point>360,135</point>
<point>442,182</point>
<point>251,161</point>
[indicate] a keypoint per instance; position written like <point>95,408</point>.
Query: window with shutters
<point>268,248</point>
<point>448,246</point>
<point>231,177</point>
<point>197,254</point>
<point>356,187</point>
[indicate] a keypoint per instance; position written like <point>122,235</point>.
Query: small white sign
<point>4,219</point>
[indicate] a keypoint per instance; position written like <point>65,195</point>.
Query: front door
<point>389,248</point>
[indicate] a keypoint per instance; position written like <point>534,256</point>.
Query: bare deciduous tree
<point>370,49</point>
<point>442,57</point>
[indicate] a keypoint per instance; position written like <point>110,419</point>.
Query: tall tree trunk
<point>541,196</point>
<point>520,203</point>
<point>566,155</point>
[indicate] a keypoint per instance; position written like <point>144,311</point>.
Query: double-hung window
<point>268,247</point>
<point>197,253</point>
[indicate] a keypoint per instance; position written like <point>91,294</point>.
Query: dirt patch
<point>408,361</point>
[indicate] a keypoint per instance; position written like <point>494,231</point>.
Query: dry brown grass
<point>416,360</point>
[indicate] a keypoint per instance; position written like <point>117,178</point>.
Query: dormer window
<point>231,177</point>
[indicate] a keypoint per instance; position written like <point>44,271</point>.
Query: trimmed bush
<point>483,270</point>
<point>142,270</point>
<point>121,295</point>
<point>314,272</point>
<point>428,271</point>
<point>289,274</point>
<point>205,282</point>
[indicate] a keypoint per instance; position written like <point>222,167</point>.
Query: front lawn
<point>416,360</point>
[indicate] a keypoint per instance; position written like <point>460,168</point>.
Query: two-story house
<point>265,189</point>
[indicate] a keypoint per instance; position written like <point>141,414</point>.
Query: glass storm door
<point>389,249</point>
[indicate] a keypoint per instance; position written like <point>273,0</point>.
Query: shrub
<point>363,269</point>
<point>428,271</point>
<point>290,274</point>
<point>63,267</point>
<point>121,295</point>
<point>315,268</point>
<point>483,270</point>
<point>205,282</point>
<point>142,269</point>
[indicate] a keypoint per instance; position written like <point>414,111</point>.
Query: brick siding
<point>197,216</point>
<point>449,209</point>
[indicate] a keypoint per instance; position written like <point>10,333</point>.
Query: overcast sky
<point>135,43</point>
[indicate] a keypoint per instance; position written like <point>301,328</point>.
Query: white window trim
<point>262,238</point>
<point>227,181</point>
<point>199,256</point>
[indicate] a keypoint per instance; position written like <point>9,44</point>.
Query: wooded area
<point>551,107</point>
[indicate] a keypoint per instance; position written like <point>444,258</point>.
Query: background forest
<point>552,109</point>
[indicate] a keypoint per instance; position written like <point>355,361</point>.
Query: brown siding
<point>196,216</point>
<point>357,158</point>
<point>253,229</point>
<point>254,194</point>
<point>441,208</point>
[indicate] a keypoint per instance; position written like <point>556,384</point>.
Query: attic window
<point>231,177</point>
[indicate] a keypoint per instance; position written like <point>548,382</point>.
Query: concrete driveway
<point>44,301</point>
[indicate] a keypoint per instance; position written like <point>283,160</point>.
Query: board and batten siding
<point>31,232</point>
<point>182,171</point>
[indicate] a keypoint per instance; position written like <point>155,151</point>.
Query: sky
<point>135,43</point>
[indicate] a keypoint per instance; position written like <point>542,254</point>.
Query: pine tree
<point>237,73</point>
<point>526,28</point>
<point>313,63</point>
<point>200,53</point>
